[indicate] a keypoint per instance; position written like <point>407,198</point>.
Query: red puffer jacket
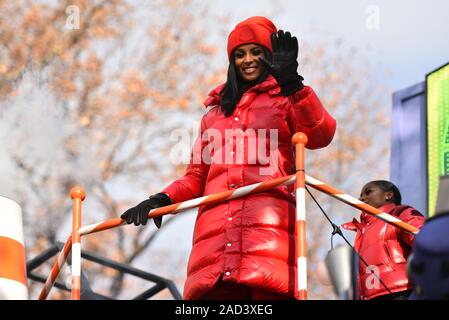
<point>385,249</point>
<point>249,240</point>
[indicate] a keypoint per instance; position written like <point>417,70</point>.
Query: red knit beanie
<point>252,30</point>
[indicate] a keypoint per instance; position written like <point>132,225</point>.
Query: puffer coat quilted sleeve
<point>309,116</point>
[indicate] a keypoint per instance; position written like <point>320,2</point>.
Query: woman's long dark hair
<point>235,86</point>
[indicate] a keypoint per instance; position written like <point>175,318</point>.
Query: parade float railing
<point>73,243</point>
<point>87,292</point>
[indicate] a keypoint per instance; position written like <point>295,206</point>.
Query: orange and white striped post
<point>78,195</point>
<point>13,275</point>
<point>218,198</point>
<point>57,267</point>
<point>300,140</point>
<point>158,212</point>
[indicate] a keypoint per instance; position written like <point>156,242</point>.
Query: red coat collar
<point>366,218</point>
<point>269,84</point>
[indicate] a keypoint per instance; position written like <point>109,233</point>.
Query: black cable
<point>337,230</point>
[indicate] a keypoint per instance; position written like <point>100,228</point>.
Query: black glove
<point>139,213</point>
<point>284,65</point>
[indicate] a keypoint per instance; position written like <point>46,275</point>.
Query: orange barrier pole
<point>181,206</point>
<point>300,140</point>
<point>356,203</point>
<point>173,208</point>
<point>216,198</point>
<point>78,195</point>
<point>57,267</point>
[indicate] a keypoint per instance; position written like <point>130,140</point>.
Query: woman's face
<point>374,195</point>
<point>246,58</point>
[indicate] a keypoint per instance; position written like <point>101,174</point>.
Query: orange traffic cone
<point>13,278</point>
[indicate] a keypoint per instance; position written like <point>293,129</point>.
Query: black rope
<point>337,230</point>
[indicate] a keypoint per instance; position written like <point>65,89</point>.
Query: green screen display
<point>437,131</point>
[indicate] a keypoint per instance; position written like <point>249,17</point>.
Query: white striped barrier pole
<point>299,140</point>
<point>57,267</point>
<point>13,275</point>
<point>189,204</point>
<point>173,208</point>
<point>78,195</point>
<point>353,202</point>
<point>217,198</point>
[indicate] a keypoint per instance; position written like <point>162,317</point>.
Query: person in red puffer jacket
<point>245,248</point>
<point>382,246</point>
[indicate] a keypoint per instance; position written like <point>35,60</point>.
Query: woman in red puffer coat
<point>245,248</point>
<point>382,246</point>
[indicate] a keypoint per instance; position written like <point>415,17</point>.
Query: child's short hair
<point>388,186</point>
